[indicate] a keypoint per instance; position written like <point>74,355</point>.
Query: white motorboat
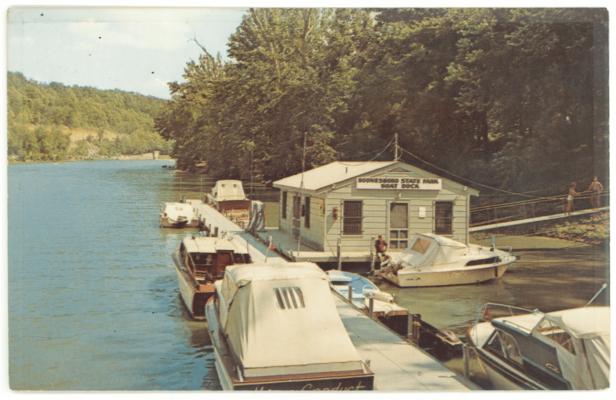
<point>362,290</point>
<point>526,349</point>
<point>433,260</point>
<point>276,327</point>
<point>229,198</point>
<point>178,215</point>
<point>200,261</point>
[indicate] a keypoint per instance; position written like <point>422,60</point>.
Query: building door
<point>398,225</point>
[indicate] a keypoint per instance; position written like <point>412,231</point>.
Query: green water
<point>93,297</point>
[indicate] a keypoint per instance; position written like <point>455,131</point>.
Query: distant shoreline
<point>122,157</point>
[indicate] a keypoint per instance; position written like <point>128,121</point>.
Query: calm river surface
<point>93,297</point>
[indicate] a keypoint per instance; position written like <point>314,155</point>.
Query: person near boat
<point>380,246</point>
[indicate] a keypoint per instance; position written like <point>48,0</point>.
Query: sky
<point>132,49</point>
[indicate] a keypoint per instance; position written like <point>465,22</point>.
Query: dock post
<point>350,295</point>
<point>339,253</point>
<point>465,359</point>
<point>372,255</point>
<point>414,329</point>
<point>371,307</point>
<point>215,231</point>
<point>409,326</point>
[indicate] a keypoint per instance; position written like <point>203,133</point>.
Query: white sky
<point>133,49</point>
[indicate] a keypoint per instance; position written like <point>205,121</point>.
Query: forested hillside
<point>57,122</point>
<point>511,98</point>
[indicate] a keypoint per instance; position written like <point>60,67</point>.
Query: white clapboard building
<point>356,201</point>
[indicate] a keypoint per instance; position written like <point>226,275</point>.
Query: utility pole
<point>301,185</point>
<point>396,155</point>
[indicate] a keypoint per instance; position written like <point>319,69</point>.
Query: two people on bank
<point>595,189</point>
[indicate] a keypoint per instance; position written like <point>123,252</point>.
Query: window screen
<point>443,214</point>
<point>352,215</point>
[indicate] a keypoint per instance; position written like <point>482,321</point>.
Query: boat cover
<point>176,210</point>
<point>588,367</point>
<point>428,249</point>
<point>228,190</point>
<point>282,319</point>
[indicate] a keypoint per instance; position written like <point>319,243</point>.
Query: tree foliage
<point>36,112</point>
<point>515,98</point>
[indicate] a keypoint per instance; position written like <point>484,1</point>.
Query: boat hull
<point>224,365</point>
<point>193,296</point>
<point>446,277</point>
<point>504,377</point>
<point>166,222</point>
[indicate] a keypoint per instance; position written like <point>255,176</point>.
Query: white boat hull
<point>166,222</point>
<point>188,293</point>
<point>459,276</point>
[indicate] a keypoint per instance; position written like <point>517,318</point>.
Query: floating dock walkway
<point>397,364</point>
<point>479,228</point>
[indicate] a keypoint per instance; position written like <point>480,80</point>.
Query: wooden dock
<point>286,245</point>
<point>397,364</point>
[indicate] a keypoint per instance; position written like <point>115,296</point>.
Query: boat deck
<point>397,364</point>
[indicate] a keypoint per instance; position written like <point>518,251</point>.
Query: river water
<point>93,297</point>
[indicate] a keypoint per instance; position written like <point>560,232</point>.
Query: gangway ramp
<point>505,224</point>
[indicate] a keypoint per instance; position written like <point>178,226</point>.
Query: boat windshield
<point>421,245</point>
<point>202,259</point>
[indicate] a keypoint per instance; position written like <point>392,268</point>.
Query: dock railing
<point>530,208</point>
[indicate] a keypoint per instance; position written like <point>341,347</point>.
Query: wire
<point>370,160</point>
<point>467,179</point>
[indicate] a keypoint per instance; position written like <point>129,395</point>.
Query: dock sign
<point>397,183</point>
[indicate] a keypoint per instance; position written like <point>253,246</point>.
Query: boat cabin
<point>358,201</point>
<point>566,349</point>
<point>207,257</point>
<point>229,198</point>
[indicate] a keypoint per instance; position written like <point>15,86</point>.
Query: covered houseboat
<point>228,197</point>
<point>276,327</point>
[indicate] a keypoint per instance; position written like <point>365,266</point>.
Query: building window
<point>352,218</point>
<point>398,225</point>
<point>307,212</point>
<point>284,205</point>
<point>443,217</point>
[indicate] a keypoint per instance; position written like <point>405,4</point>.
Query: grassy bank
<point>593,230</point>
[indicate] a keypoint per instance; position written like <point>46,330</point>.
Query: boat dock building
<point>336,211</point>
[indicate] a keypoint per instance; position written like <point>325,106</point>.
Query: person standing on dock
<point>595,189</point>
<point>570,195</point>
<point>381,247</point>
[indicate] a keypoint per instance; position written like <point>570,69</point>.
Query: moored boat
<point>433,260</point>
<point>200,261</point>
<point>228,197</point>
<point>178,215</point>
<point>526,349</point>
<point>276,327</point>
<point>362,290</point>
